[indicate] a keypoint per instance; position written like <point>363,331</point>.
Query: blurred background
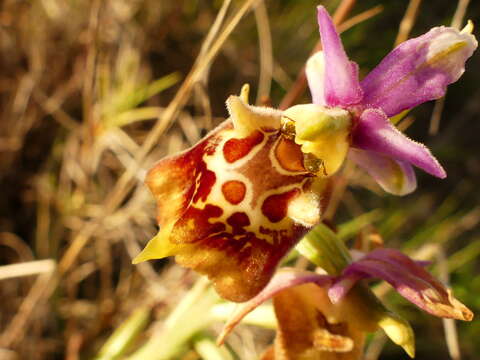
<point>92,93</point>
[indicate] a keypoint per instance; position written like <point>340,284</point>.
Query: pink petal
<point>418,70</point>
<point>410,279</point>
<point>342,286</point>
<point>315,71</point>
<point>282,280</point>
<point>374,132</point>
<point>395,177</point>
<point>341,75</point>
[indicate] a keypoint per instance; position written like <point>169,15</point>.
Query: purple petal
<point>315,71</point>
<point>342,286</point>
<point>283,279</point>
<point>418,70</point>
<point>374,132</point>
<point>341,75</point>
<point>410,279</point>
<point>395,177</point>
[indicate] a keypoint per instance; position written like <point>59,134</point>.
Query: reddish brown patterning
<point>233,205</point>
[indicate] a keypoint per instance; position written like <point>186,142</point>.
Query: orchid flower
<point>416,71</point>
<point>320,317</point>
<point>235,204</point>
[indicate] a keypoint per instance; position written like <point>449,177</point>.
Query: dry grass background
<point>93,92</point>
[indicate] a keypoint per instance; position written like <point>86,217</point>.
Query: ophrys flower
<point>235,203</point>
<point>416,71</point>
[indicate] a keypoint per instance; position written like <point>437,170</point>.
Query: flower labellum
<point>234,204</point>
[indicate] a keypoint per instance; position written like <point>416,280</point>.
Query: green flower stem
<point>198,309</point>
<point>263,315</point>
<point>190,316</point>
<point>323,248</point>
<point>121,339</point>
<point>208,349</point>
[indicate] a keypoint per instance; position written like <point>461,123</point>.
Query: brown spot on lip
<point>289,155</point>
<point>275,206</point>
<point>238,221</point>
<point>234,191</point>
<point>235,149</point>
<point>206,180</point>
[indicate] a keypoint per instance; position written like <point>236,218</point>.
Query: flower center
<point>323,134</point>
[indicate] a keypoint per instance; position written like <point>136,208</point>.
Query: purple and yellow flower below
<point>319,317</point>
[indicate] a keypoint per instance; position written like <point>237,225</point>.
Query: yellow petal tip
<point>399,331</point>
<point>468,29</point>
<point>143,256</point>
<point>245,92</point>
<point>157,248</point>
<point>137,260</point>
